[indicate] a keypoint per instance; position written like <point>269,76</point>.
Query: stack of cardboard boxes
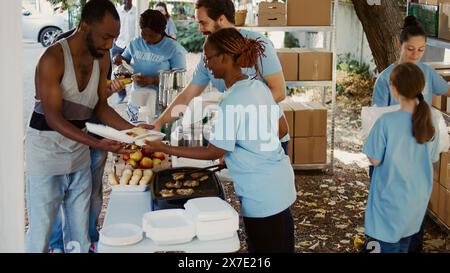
<point>440,196</point>
<point>271,14</point>
<point>306,64</point>
<point>307,123</point>
<point>295,13</point>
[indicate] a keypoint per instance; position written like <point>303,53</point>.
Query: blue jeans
<point>98,160</point>
<point>116,51</point>
<point>401,246</point>
<point>285,146</point>
<point>45,196</point>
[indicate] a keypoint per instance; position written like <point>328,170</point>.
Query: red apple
<point>159,155</point>
<point>146,163</point>
<point>147,152</point>
<point>126,157</point>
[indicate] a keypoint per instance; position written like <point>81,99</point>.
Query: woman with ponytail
<point>246,135</point>
<point>153,51</point>
<point>412,47</point>
<point>402,146</point>
<point>413,44</point>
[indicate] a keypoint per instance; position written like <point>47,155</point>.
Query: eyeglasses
<point>207,59</point>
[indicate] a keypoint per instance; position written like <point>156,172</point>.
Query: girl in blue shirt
<point>148,54</point>
<point>413,45</point>
<point>262,174</point>
<point>402,146</point>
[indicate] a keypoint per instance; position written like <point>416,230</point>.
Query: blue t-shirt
<point>170,27</point>
<point>434,84</point>
<point>270,64</point>
<point>247,127</point>
<point>149,59</point>
<point>401,185</point>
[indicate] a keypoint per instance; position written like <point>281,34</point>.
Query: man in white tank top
<point>70,87</point>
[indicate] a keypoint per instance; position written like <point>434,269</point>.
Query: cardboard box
<point>310,119</point>
<point>310,150</point>
<point>447,183</point>
<point>289,114</point>
<point>445,73</point>
<point>444,204</point>
<point>434,200</point>
<point>429,2</point>
<point>443,169</point>
<point>447,207</point>
<point>315,65</point>
<point>274,20</point>
<point>289,63</point>
<point>309,12</point>
<point>444,22</point>
<point>439,103</point>
<point>272,8</point>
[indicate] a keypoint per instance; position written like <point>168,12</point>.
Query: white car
<point>41,27</point>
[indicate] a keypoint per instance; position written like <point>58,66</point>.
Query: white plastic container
<point>214,218</point>
<point>170,226</point>
<point>121,235</point>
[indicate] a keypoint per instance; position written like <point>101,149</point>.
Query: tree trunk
<point>382,25</point>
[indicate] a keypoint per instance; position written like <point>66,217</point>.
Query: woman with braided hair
<point>246,135</point>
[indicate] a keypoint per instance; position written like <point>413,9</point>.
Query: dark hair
<point>153,20</point>
<point>411,28</point>
<point>216,8</point>
<point>245,52</point>
<point>95,10</point>
<point>164,6</point>
<point>409,81</point>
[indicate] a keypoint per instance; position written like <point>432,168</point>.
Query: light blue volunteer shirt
<point>149,59</point>
<point>170,27</point>
<point>434,84</point>
<point>401,185</point>
<point>262,173</point>
<point>268,65</point>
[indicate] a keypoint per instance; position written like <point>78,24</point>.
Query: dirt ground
<point>329,211</point>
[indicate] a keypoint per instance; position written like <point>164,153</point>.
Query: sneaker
<point>55,250</point>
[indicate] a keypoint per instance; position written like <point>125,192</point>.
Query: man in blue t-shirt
<point>213,15</point>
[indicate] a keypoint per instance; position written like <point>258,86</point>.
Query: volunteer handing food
<point>262,173</point>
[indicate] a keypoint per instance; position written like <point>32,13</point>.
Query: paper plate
<point>121,234</point>
<point>108,132</point>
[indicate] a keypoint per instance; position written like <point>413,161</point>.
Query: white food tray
<point>121,136</point>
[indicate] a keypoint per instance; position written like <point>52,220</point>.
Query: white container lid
<point>209,209</point>
<point>120,234</point>
<point>217,230</point>
<point>169,226</point>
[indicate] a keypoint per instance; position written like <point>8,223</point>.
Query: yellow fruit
<point>122,81</point>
